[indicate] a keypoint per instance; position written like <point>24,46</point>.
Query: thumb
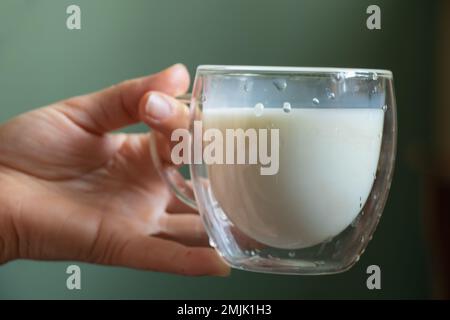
<point>117,106</point>
<point>163,114</point>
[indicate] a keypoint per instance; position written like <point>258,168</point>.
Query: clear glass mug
<point>332,132</point>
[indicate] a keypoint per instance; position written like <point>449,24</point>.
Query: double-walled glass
<point>319,146</point>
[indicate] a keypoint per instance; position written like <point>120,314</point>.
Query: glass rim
<point>255,70</point>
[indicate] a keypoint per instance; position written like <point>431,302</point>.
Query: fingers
<point>117,106</point>
<point>184,228</point>
<point>162,255</point>
<point>163,113</point>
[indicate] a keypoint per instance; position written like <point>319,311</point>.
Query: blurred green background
<point>41,61</point>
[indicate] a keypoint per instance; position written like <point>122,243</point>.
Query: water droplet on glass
<point>362,212</point>
<point>287,107</point>
<point>337,77</point>
<point>291,254</point>
<point>319,263</point>
<point>252,253</point>
<point>222,215</point>
<point>374,90</point>
<point>338,244</point>
<point>357,258</point>
<point>330,94</point>
<point>374,76</point>
<point>259,109</point>
<point>280,84</point>
<point>384,108</point>
<point>315,101</point>
<point>362,238</point>
<point>212,243</point>
<point>248,85</point>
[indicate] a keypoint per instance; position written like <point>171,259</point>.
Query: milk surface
<point>327,164</point>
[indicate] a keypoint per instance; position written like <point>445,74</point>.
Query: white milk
<point>328,160</point>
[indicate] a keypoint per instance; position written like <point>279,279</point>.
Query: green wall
<point>41,61</point>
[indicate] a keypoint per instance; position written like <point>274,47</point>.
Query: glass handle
<point>169,173</point>
<point>185,98</point>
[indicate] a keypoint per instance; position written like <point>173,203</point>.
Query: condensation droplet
<point>337,77</point>
<point>374,76</point>
<point>374,90</point>
<point>248,85</point>
<point>362,238</point>
<point>291,254</point>
<point>315,101</point>
<point>384,108</point>
<point>280,84</point>
<point>212,243</point>
<point>338,244</point>
<point>222,215</point>
<point>330,94</point>
<point>287,107</point>
<point>259,109</point>
<point>357,258</point>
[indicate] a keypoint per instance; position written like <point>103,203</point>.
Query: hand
<point>71,189</point>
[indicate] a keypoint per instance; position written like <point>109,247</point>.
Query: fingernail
<point>158,107</point>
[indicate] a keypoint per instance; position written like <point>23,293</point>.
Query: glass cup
<point>291,167</point>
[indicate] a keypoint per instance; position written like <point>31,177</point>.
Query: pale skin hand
<point>71,189</point>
